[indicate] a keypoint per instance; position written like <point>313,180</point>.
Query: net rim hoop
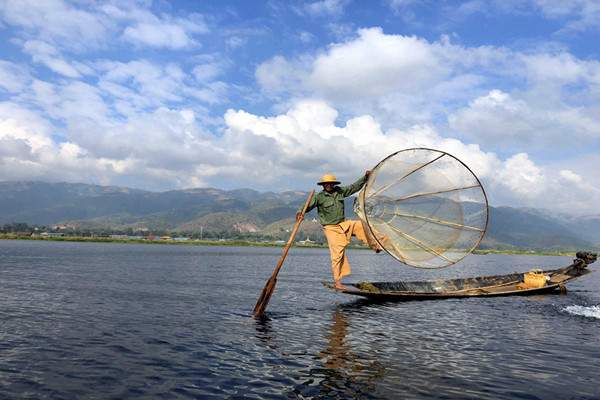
<point>443,153</point>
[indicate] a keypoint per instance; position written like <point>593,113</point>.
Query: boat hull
<point>489,286</point>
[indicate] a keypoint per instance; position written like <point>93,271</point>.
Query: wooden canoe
<point>488,286</point>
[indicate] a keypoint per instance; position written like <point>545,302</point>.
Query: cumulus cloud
<point>522,176</point>
<point>375,64</point>
<point>28,149</point>
<point>401,79</point>
<point>497,117</point>
<point>168,148</point>
<point>404,80</point>
<point>307,141</point>
<point>151,150</point>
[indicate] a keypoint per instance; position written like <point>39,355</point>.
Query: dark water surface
<point>85,320</point>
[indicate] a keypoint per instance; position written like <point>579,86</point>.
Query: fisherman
<point>338,230</point>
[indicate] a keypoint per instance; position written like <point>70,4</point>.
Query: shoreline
<point>246,243</point>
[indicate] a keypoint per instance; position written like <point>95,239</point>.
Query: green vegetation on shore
<point>548,252</point>
<point>192,242</point>
<point>233,242</point>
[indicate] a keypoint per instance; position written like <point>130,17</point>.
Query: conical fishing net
<point>424,207</point>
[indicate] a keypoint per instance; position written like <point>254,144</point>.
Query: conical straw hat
<point>328,178</point>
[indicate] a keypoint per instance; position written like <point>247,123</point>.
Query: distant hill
<point>246,211</point>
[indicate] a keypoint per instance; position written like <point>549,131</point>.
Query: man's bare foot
<point>383,240</point>
<point>376,248</point>
<point>338,285</point>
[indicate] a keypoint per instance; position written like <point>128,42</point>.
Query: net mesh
<point>424,207</point>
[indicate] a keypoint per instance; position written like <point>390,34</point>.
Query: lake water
<point>86,320</point>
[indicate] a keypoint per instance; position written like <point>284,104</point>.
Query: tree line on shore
<point>24,229</point>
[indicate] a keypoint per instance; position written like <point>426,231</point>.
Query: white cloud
<point>85,26</point>
<point>145,28</point>
<point>207,71</point>
<point>405,80</point>
<point>142,84</point>
<point>341,31</point>
<point>402,80</point>
<point>581,14</point>
<point>558,69</point>
<point>167,148</point>
<point>279,75</point>
<point>325,7</point>
<point>305,142</point>
<point>234,42</point>
<point>153,83</point>
<point>58,22</point>
<point>570,176</point>
<point>48,55</point>
<point>70,102</point>
<point>164,149</point>
<point>28,150</point>
<point>497,118</point>
<point>19,123</point>
<point>522,176</point>
<point>375,64</point>
<point>306,37</point>
<point>158,34</point>
<point>13,77</point>
<point>211,93</point>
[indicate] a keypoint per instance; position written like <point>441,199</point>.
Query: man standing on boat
<point>338,231</point>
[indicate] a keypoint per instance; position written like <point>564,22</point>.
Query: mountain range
<point>223,213</point>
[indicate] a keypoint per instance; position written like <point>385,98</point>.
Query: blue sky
<point>270,95</point>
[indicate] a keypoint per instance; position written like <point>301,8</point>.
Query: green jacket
<point>330,206</point>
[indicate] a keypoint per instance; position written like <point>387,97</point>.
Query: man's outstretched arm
<point>356,186</point>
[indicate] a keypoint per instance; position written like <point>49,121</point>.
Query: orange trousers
<point>338,237</point>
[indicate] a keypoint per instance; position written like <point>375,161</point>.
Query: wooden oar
<point>265,296</point>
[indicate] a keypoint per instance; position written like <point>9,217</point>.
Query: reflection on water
<point>345,373</point>
<point>339,371</point>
